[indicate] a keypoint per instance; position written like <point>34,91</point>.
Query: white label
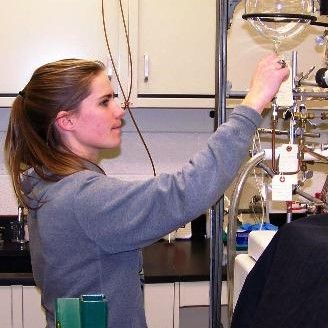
<point>282,187</point>
<point>288,161</point>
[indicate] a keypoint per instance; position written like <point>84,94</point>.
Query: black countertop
<point>182,260</point>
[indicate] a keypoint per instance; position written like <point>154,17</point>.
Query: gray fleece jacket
<point>87,236</point>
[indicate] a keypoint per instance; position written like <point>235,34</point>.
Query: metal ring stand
<point>284,17</point>
<point>224,12</point>
<point>257,160</point>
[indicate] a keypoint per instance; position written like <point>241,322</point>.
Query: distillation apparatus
<point>284,167</point>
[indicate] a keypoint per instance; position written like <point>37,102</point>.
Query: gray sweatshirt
<point>87,236</point>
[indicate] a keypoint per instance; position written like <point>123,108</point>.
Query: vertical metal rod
<point>294,68</point>
<point>232,224</point>
<point>217,211</point>
<point>294,74</point>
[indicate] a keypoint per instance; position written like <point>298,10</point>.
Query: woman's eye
<point>104,102</point>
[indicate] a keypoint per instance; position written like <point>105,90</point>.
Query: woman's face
<point>98,120</point>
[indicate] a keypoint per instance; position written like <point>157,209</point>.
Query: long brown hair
<point>32,140</point>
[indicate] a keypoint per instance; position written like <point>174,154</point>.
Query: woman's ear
<point>65,120</point>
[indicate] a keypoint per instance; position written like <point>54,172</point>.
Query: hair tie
<point>21,93</point>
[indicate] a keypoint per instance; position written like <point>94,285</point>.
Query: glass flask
<point>278,20</point>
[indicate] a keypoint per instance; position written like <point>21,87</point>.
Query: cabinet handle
<point>109,68</point>
<point>146,67</point>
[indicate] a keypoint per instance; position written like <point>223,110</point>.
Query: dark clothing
<point>288,286</point>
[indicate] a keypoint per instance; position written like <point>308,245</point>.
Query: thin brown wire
<point>109,50</point>
<point>129,49</point>
<point>126,99</point>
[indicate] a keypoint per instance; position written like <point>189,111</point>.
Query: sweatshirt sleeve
<point>120,215</point>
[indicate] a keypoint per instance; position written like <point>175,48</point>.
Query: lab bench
<point>176,275</point>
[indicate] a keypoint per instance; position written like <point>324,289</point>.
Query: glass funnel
<point>278,20</point>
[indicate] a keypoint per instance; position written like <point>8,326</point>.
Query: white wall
<point>172,136</point>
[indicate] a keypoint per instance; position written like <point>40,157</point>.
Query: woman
<point>87,229</point>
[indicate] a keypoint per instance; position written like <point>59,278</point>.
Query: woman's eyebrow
<point>108,95</point>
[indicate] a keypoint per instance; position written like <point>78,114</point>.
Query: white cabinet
<point>177,36</point>
<point>33,315</point>
<point>197,293</point>
<point>194,293</point>
<point>5,307</point>
<point>164,301</point>
<point>11,310</point>
<point>159,305</point>
<point>20,307</point>
<point>35,32</point>
<point>16,307</point>
<point>173,44</point>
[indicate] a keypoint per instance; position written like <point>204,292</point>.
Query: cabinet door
<point>5,307</point>
<point>11,309</point>
<point>17,306</point>
<point>33,315</point>
<point>159,305</point>
<point>178,38</point>
<point>197,293</point>
<point>35,32</point>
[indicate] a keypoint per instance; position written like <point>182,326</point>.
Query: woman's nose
<point>119,110</point>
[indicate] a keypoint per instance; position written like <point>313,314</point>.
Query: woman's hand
<point>266,81</point>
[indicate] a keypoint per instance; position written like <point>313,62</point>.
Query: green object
<point>93,311</point>
<point>88,311</point>
<point>68,313</point>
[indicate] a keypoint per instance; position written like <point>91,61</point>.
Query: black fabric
<point>323,7</point>
<point>288,286</point>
